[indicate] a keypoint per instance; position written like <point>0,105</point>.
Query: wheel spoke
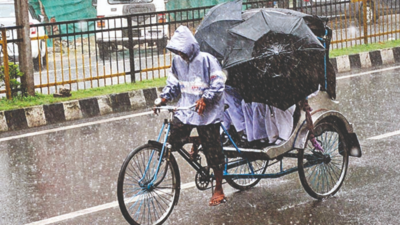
<point>328,186</point>
<point>330,146</point>
<point>312,172</point>
<point>154,208</point>
<point>330,174</point>
<point>334,171</point>
<point>133,191</point>
<point>317,177</point>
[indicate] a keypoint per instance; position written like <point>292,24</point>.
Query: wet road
<point>68,174</point>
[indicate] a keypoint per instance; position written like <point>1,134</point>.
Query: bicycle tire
<point>139,202</point>
<point>259,167</point>
<point>322,174</point>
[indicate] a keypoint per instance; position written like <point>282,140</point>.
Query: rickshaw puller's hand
<point>200,106</point>
<point>159,102</point>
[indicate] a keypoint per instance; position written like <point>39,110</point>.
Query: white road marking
<point>94,209</point>
<point>74,126</point>
<point>384,135</point>
<point>369,72</point>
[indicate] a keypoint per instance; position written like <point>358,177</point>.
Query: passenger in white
<point>256,122</point>
<point>248,118</point>
<point>279,123</point>
<point>254,115</point>
<point>234,114</point>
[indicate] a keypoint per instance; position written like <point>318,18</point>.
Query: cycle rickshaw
<point>149,181</point>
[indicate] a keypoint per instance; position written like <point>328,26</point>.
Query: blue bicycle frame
<point>228,165</point>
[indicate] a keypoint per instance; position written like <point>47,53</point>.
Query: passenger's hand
<point>200,106</point>
<point>159,102</point>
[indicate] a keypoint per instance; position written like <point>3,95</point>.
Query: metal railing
<point>3,42</point>
<point>356,22</point>
<point>123,49</point>
<point>8,56</point>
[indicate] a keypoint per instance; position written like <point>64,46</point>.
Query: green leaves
<point>15,75</point>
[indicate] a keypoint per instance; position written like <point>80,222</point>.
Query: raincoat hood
<point>184,41</point>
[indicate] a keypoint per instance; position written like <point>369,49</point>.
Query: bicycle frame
<point>228,165</point>
<point>296,141</point>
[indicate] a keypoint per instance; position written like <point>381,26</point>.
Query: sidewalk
<point>141,99</point>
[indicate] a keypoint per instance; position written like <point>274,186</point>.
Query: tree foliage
<point>15,77</point>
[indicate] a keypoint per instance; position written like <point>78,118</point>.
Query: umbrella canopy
<point>212,33</point>
<point>314,22</point>
<point>275,58</point>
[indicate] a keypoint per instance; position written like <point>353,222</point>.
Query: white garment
<point>248,118</point>
<point>234,114</point>
<point>259,126</point>
<point>254,116</point>
<point>279,123</point>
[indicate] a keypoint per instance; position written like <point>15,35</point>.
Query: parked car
<point>152,35</point>
<point>7,18</point>
<point>349,9</point>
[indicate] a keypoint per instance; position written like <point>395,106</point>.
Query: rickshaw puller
<point>198,78</point>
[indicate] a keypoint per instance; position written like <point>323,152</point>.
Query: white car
<point>115,32</point>
<point>7,19</point>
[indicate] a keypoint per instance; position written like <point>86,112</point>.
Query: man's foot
<point>194,152</point>
<point>217,199</point>
<point>218,196</point>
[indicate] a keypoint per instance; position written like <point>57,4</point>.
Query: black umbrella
<point>319,28</point>
<point>274,59</point>
<point>212,33</point>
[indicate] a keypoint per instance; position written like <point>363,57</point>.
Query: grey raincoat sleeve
<point>217,80</point>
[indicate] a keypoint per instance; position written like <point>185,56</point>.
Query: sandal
<point>217,200</point>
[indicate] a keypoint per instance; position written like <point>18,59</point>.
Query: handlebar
<point>174,108</point>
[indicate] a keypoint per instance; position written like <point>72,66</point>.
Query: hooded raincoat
<point>201,77</point>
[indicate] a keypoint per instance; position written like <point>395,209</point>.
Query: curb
<point>36,116</point>
<point>381,57</point>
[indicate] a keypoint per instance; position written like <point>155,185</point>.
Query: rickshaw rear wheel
<point>141,199</point>
<point>259,167</point>
<point>322,173</point>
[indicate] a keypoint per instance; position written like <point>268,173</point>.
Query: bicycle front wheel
<point>144,198</point>
<point>322,173</point>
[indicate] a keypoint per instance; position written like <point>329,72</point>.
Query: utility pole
<point>25,50</point>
